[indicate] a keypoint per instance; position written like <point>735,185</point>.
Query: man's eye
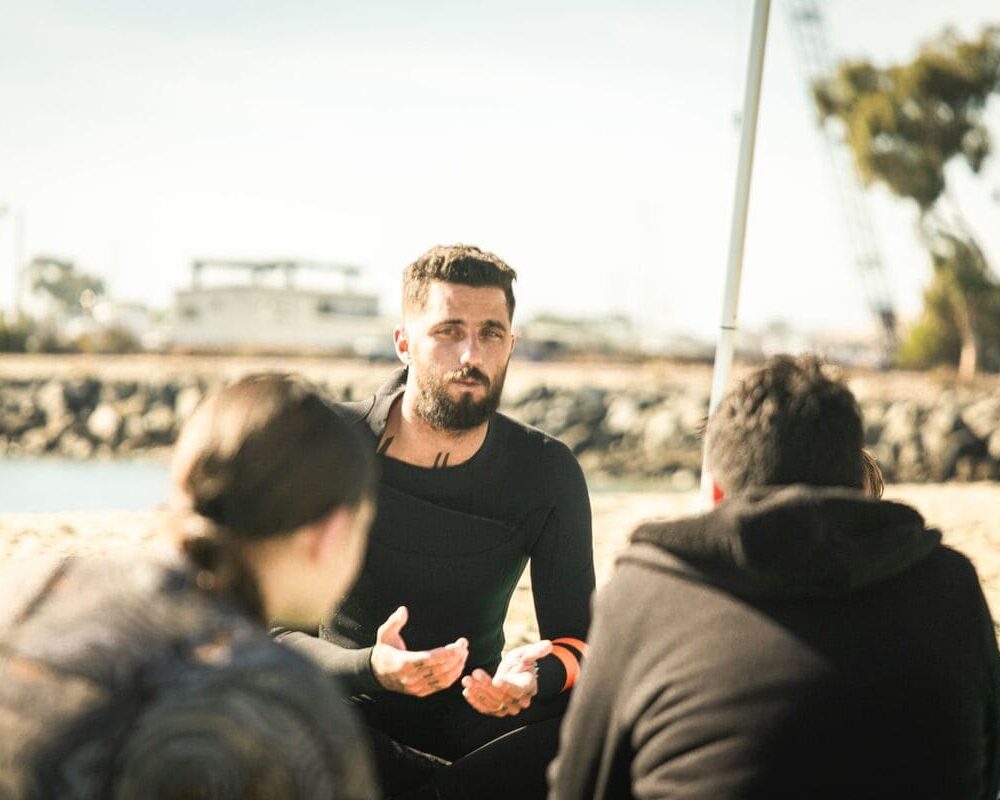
<point>493,333</point>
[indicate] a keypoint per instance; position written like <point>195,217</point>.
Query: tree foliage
<point>14,334</point>
<point>61,281</point>
<point>904,124</point>
<point>961,296</point>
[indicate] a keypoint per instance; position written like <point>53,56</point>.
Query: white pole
<point>737,233</point>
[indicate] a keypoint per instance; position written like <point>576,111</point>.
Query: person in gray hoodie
<point>801,640</point>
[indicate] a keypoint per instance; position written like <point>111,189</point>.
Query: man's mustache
<point>467,374</point>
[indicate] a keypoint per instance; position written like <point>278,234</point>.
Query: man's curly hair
<point>457,263</point>
<point>786,423</point>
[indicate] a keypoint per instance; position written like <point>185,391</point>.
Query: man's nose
<point>471,351</point>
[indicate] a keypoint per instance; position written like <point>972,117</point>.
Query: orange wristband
<point>570,660</point>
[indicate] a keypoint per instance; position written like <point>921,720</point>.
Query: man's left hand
<point>513,686</point>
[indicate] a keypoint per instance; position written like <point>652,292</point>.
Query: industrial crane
<point>814,51</point>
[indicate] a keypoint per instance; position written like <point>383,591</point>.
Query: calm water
<point>55,484</point>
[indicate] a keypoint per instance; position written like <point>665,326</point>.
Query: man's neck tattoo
<point>440,460</point>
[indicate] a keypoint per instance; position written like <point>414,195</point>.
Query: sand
<point>963,512</point>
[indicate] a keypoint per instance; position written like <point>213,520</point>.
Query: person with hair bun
<point>155,677</point>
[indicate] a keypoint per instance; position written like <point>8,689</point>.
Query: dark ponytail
<point>260,458</point>
<point>219,567</point>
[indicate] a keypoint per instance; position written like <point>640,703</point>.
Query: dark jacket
<point>121,678</point>
<point>801,643</point>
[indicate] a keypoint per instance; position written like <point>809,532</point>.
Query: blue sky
<point>590,144</point>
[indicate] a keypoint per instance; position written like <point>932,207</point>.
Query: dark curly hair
<point>456,263</point>
<point>785,423</point>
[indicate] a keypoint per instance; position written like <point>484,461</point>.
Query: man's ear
<point>401,340</point>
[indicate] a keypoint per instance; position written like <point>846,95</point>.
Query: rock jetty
<point>622,433</point>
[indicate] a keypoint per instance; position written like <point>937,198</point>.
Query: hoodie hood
<point>789,542</point>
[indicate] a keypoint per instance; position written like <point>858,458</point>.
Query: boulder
<point>35,442</point>
<point>158,423</point>
<point>51,401</point>
<point>910,464</point>
<point>683,480</point>
<point>578,438</point>
<point>57,426</point>
<point>16,421</point>
<point>559,416</point>
<point>592,462</point>
<point>692,416</point>
<point>900,422</point>
<point>590,406</point>
<point>133,432</point>
<point>123,390</point>
<point>982,416</point>
<point>530,413</point>
<point>187,401</point>
<point>623,416</point>
<point>945,440</point>
<point>73,445</point>
<point>105,424</point>
<point>662,430</point>
<point>81,394</point>
<point>993,445</point>
<point>873,433</point>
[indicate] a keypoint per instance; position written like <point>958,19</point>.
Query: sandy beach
<point>965,513</point>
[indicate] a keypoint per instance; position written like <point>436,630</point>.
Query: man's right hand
<point>418,673</point>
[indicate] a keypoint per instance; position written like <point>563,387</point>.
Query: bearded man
<point>467,498</point>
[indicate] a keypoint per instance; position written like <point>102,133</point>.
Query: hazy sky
<point>590,144</point>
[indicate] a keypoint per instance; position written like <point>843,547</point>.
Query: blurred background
<point>192,190</point>
<point>591,144</point>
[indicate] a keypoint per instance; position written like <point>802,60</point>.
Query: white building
<point>265,309</point>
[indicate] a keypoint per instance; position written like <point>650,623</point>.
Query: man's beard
<point>440,411</point>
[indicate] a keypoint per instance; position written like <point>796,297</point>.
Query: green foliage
<point>961,294</point>
<point>60,280</point>
<point>114,340</point>
<point>934,338</point>
<point>14,335</point>
<point>904,123</point>
<point>44,339</point>
<point>927,344</point>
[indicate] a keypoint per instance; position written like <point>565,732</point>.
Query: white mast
<point>737,235</point>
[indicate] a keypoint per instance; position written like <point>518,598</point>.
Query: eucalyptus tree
<point>905,125</point>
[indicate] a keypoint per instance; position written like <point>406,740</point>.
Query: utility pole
<point>725,349</point>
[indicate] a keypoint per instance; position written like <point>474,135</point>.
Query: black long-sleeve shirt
<point>451,543</point>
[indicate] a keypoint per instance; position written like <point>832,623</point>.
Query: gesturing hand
<point>421,672</point>
<point>510,690</point>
